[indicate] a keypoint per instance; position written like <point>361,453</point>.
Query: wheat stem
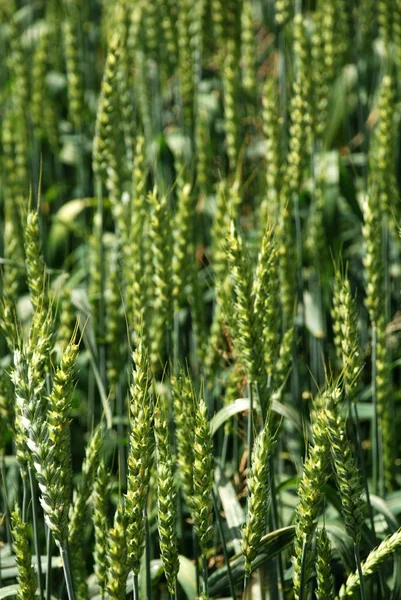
<point>49,540</point>
<point>275,521</point>
<point>65,558</point>
<point>375,424</point>
<point>135,586</point>
<point>205,576</point>
<point>224,545</point>
<point>36,530</point>
<point>101,304</point>
<point>148,573</point>
<point>359,569</point>
<point>250,426</point>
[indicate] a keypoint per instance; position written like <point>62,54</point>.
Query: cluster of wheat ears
<point>200,277</point>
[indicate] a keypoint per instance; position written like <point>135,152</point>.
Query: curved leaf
<point>9,590</point>
<point>187,577</point>
<point>9,570</point>
<point>232,509</point>
<point>383,508</point>
<point>242,404</point>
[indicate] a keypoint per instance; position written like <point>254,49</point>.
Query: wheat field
<point>200,313</point>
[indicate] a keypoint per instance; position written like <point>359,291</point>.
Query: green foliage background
<point>212,185</point>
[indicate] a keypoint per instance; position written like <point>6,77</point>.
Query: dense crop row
<point>200,291</point>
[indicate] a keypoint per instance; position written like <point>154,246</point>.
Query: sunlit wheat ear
<point>30,405</point>
<point>248,48</point>
<point>140,457</point>
<point>346,336</point>
<point>67,319</point>
<point>27,580</point>
<point>184,416</point>
<point>100,499</point>
<point>382,175</point>
<point>79,508</point>
<point>374,273</point>
<point>396,33</point>
<point>83,490</point>
<point>183,249</point>
<point>75,87</point>
<point>310,497</point>
<point>185,60</point>
<point>161,248</point>
<point>103,133</point>
<point>60,402</point>
<point>376,557</point>
<point>227,205</point>
<point>47,436</point>
<point>299,142</point>
<point>329,42</point>
<point>202,143</point>
<point>35,264</point>
<point>118,567</point>
<point>372,233</point>
<point>248,323</point>
<point>124,79</point>
<point>273,130</point>
<point>385,19</point>
<point>346,471</point>
<point>114,323</point>
<point>287,254</point>
<point>284,10</point>
<point>12,226</point>
<point>325,579</point>
<point>265,290</point>
<point>203,474</point>
<point>384,403</point>
<point>166,503</point>
<point>19,79</point>
<point>169,26</point>
<point>230,83</point>
<point>39,72</point>
<point>137,300</point>
<point>217,17</point>
<point>258,497</point>
<point>9,322</point>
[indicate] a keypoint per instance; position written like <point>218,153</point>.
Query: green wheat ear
<point>273,131</point>
<point>166,504</point>
<point>248,48</point>
<point>140,457</point>
<point>230,85</point>
<point>75,88</point>
<point>247,339</point>
<point>310,494</point>
<point>325,579</point>
<point>184,414</point>
<point>117,556</point>
<point>266,292</point>
<point>35,264</point>
<point>346,337</point>
<point>376,557</point>
<point>258,492</point>
<point>100,524</point>
<point>203,474</point>
<point>346,471</point>
<point>27,580</point>
<point>79,507</point>
<point>103,144</point>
